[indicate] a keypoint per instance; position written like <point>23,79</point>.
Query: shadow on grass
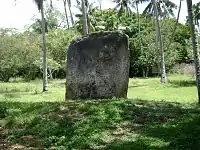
<point>182,83</point>
<point>135,86</point>
<point>105,124</point>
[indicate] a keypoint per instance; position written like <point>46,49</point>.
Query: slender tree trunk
<point>177,19</point>
<point>66,16</point>
<point>138,15</point>
<point>44,52</point>
<point>70,11</point>
<point>147,72</point>
<point>100,5</point>
<point>51,4</point>
<point>161,50</point>
<point>179,10</point>
<point>85,24</point>
<point>195,47</point>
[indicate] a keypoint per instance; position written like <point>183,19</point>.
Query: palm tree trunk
<point>70,11</point>
<point>179,10</point>
<point>85,24</point>
<point>64,3</point>
<point>177,19</point>
<point>195,47</point>
<point>44,52</point>
<point>51,4</point>
<point>161,50</point>
<point>100,5</point>
<point>138,15</point>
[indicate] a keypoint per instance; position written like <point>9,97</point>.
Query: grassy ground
<point>155,116</point>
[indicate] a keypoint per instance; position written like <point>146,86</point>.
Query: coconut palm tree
<point>159,39</point>
<point>39,4</point>
<point>66,15</point>
<point>160,9</point>
<point>194,45</point>
<point>84,17</point>
<point>177,19</point>
<point>196,10</point>
<point>100,1</point>
<point>84,7</point>
<point>65,4</point>
<point>70,11</point>
<point>135,4</point>
<point>124,6</point>
<point>164,8</point>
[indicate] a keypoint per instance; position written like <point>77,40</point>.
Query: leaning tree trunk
<point>44,52</point>
<point>160,40</point>
<point>195,47</point>
<point>66,16</point>
<point>179,10</point>
<point>70,11</point>
<point>85,24</point>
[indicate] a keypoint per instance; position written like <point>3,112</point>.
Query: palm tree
<point>83,8</point>
<point>84,17</point>
<point>124,6</point>
<point>70,11</point>
<point>160,9</point>
<point>179,10</point>
<point>159,38</point>
<point>135,4</point>
<point>51,4</point>
<point>196,9</point>
<point>177,19</point>
<point>194,45</point>
<point>99,1</point>
<point>164,8</point>
<point>66,16</point>
<point>39,4</point>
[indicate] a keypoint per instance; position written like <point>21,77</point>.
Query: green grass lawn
<point>155,116</point>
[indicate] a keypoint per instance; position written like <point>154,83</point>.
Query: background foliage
<point>20,53</point>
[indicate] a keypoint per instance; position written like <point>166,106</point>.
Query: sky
<point>19,14</point>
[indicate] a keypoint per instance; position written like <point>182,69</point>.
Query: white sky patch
<point>18,15</point>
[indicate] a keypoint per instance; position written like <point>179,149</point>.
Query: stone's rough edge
<point>99,34</point>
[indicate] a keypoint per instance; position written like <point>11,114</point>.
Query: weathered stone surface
<point>98,66</point>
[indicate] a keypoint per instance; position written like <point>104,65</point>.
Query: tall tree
<point>160,9</point>
<point>135,4</point>
<point>160,40</point>
<point>164,8</point>
<point>177,19</point>
<point>194,45</point>
<point>83,7</point>
<point>196,8</point>
<point>70,11</point>
<point>66,15</point>
<point>124,6</point>
<point>84,17</point>
<point>39,3</point>
<point>100,1</point>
